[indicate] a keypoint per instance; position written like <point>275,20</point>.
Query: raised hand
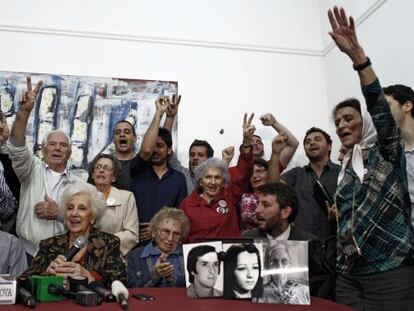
<point>227,154</point>
<point>268,119</point>
<point>343,32</point>
<point>4,129</point>
<point>28,97</point>
<point>161,104</point>
<point>172,108</point>
<point>248,130</point>
<point>279,143</point>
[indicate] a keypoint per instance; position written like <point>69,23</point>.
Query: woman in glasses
<point>121,215</point>
<point>160,263</point>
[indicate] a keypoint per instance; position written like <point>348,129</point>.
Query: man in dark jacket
<point>275,214</point>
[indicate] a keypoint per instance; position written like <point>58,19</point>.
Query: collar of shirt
<point>48,169</point>
<point>151,250</point>
<point>283,236</point>
<point>330,165</point>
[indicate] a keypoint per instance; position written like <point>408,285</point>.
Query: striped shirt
<point>381,227</point>
<point>8,204</point>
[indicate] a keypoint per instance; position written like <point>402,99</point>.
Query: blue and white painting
<point>85,108</point>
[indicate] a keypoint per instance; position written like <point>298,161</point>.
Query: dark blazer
<point>102,256</point>
<point>296,234</point>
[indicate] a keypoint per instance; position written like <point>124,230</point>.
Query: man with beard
<point>275,214</point>
<point>124,139</point>
<point>199,151</point>
<point>315,216</point>
<point>153,182</point>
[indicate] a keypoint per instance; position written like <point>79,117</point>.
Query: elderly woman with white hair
<point>212,207</point>
<point>99,259</point>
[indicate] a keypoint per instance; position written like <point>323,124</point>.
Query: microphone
<point>76,247</point>
<point>121,294</point>
<point>78,284</point>
<point>98,288</point>
<point>26,298</point>
<point>80,290</point>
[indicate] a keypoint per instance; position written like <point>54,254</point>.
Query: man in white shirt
<point>42,182</point>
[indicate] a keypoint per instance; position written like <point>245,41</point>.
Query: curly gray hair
<point>173,214</point>
<point>212,163</point>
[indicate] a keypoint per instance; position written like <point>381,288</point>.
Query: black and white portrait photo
<point>242,271</point>
<point>203,269</point>
<point>285,273</point>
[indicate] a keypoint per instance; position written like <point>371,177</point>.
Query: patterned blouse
<point>248,204</point>
<point>102,256</point>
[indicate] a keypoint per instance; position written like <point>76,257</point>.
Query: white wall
<point>228,56</point>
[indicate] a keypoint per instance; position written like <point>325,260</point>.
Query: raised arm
<point>172,110</point>
<point>278,145</point>
<point>344,34</point>
<point>150,137</point>
<point>245,162</point>
<point>291,142</point>
<point>26,104</point>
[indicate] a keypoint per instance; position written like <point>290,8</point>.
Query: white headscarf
<point>368,139</point>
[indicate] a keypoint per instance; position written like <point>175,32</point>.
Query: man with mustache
<point>153,182</point>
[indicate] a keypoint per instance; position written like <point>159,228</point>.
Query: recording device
<point>47,287</point>
<point>143,297</point>
<point>100,289</point>
<point>83,295</point>
<point>76,247</point>
<point>121,294</point>
<point>26,298</point>
<point>86,298</point>
<point>78,284</point>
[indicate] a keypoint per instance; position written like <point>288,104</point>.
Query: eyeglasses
<point>104,167</point>
<point>165,233</point>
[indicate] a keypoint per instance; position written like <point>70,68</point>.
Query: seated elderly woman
<point>212,207</point>
<point>120,217</point>
<point>160,263</point>
<point>242,269</point>
<point>98,260</point>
